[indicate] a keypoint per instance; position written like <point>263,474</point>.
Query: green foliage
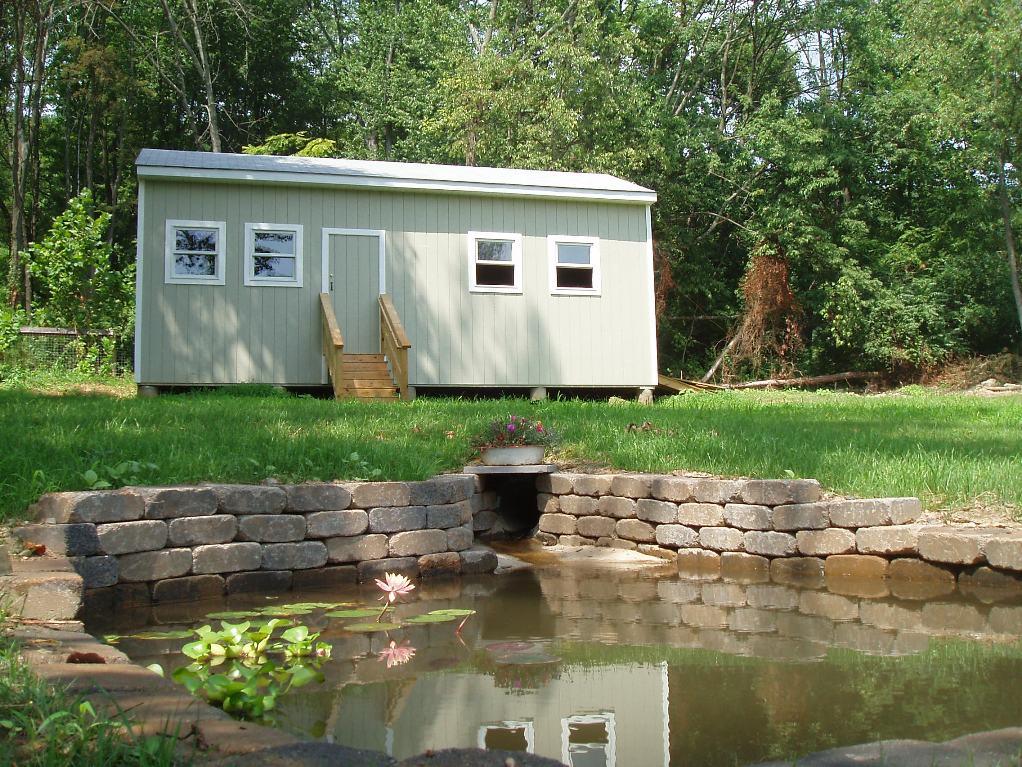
<point>120,475</point>
<point>516,430</point>
<point>74,264</point>
<point>243,670</point>
<point>43,726</point>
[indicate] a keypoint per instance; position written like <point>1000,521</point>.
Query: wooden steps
<point>367,377</point>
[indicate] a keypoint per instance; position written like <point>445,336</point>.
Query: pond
<point>636,667</point>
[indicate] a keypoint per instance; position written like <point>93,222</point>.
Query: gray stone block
<point>721,539</point>
<point>76,539</point>
<point>93,506</point>
<point>558,524</point>
<point>700,514</point>
<point>43,596</point>
<point>154,565</point>
<point>594,485</point>
<point>769,544</point>
<point>415,543</point>
<point>596,527</point>
<point>441,563</point>
<point>747,568</point>
<point>614,543</point>
<point>747,516</point>
<point>1005,551</point>
<point>806,572</point>
<point>332,524</point>
<point>720,491</point>
<point>190,589</point>
<point>250,499</point>
<point>317,496</point>
<point>658,512</point>
<point>200,531</point>
<point>431,492</point>
<point>889,540</point>
<point>547,503</point>
<point>801,516</point>
<point>97,572</point>
<point>129,537</point>
<point>676,489</point>
<point>442,517</point>
<point>855,566</point>
<point>271,528</point>
<point>460,487</point>
<point>631,485</point>
<point>377,568</point>
<point>723,594</point>
<point>396,520</point>
<point>577,505</point>
<point>226,558</point>
<point>460,538</point>
<point>954,546</point>
<point>872,512</point>
<point>823,543</point>
<point>356,549</point>
<point>294,556</point>
<point>259,582</point>
<point>778,492</point>
<point>478,560</point>
<point>636,530</point>
<point>546,539</point>
<point>173,502</point>
<point>618,508</point>
<point>370,495</point>
<point>676,536</point>
<point>484,520</point>
<point>556,483</point>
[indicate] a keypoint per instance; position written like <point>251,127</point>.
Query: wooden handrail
<point>333,345</point>
<point>388,312</point>
<point>394,342</point>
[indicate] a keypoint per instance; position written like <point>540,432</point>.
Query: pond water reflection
<point>646,667</point>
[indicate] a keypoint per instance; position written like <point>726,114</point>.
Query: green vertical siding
<point>194,334</point>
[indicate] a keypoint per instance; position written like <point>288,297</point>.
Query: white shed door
<point>354,263</point>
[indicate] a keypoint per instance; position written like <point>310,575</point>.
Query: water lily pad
<point>440,616</point>
<point>112,638</point>
<point>319,605</point>
<point>361,612</point>
<point>232,615</point>
<point>369,628</point>
<point>177,634</point>
<point>283,611</point>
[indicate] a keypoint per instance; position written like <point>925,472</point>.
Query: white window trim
<point>605,718</point>
<point>516,262</point>
<point>528,726</point>
<point>221,253</point>
<point>594,260</point>
<point>278,282</point>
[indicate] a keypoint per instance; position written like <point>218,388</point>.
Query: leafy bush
<point>74,266</point>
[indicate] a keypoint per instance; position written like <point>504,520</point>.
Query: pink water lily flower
<point>396,654</point>
<point>393,586</point>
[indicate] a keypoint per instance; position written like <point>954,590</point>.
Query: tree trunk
<point>18,157</point>
<point>1009,236</point>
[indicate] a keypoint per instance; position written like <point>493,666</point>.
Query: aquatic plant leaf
<point>431,618</point>
<point>232,615</point>
<point>176,634</point>
<point>369,628</point>
<point>454,612</point>
<point>361,612</point>
<point>112,638</point>
<point>285,611</point>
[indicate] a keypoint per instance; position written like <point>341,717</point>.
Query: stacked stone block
<point>200,541</point>
<point>782,527</point>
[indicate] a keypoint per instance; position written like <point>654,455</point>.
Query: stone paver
<point>769,544</point>
<point>777,492</point>
<point>189,589</point>
<point>271,528</point>
<point>954,546</point>
<point>73,539</point>
<point>317,496</point>
<point>721,539</point>
<point>558,524</point>
<point>440,563</point>
<point>200,531</point>
<point>618,508</point>
<point>821,543</point>
<point>855,566</point>
<point>250,499</point>
<point>596,527</point>
<point>577,505</point>
<point>801,516</point>
<point>332,524</point>
<point>747,516</point>
<point>173,502</point>
<point>415,543</point>
<point>888,541</point>
<point>636,530</point>
<point>294,556</point>
<point>259,582</point>
<point>676,536</point>
<point>154,565</point>
<point>396,520</point>
<point>357,548</point>
<point>700,514</point>
<point>226,558</point>
<point>130,537</point>
<point>460,538</point>
<point>92,506</point>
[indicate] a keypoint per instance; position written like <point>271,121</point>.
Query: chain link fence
<point>93,351</point>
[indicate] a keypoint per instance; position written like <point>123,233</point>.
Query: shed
<point>379,277</point>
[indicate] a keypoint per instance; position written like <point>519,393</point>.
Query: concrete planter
<point>517,455</point>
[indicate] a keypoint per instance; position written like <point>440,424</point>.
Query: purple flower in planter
<point>510,427</point>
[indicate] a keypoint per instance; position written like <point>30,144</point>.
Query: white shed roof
<point>165,163</point>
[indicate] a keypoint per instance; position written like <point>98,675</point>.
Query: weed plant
<point>42,726</point>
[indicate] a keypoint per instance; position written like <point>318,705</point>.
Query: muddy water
<point>637,667</point>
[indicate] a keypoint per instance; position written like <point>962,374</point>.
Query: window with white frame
<point>589,740</point>
<point>574,264</point>
<point>273,255</point>
<point>195,252</point>
<point>494,262</point>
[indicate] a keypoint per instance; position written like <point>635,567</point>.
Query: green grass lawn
<point>952,450</point>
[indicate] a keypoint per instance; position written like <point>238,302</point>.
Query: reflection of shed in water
<point>614,715</point>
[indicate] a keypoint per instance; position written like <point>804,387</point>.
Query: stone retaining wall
<point>780,526</point>
<point>190,542</point>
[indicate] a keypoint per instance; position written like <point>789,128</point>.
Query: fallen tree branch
<point>804,381</point>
